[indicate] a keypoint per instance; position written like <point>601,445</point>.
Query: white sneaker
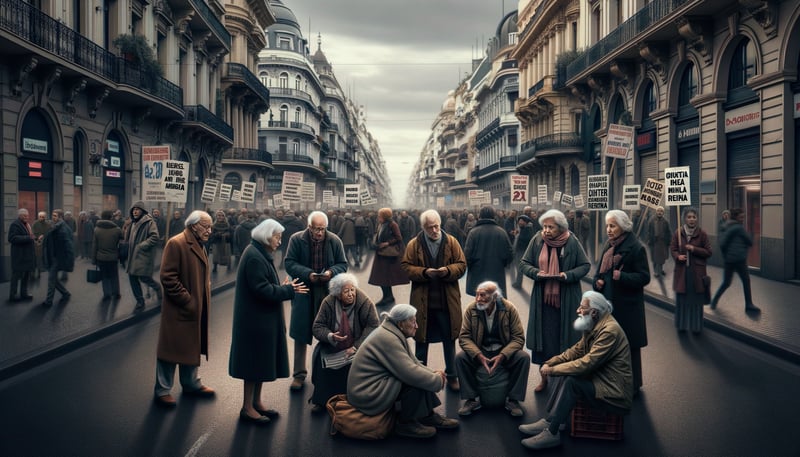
<point>535,428</point>
<point>543,440</point>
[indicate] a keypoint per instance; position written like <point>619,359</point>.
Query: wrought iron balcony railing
<point>287,157</point>
<point>213,22</point>
<point>285,91</point>
<point>199,113</point>
<point>237,70</point>
<point>255,155</point>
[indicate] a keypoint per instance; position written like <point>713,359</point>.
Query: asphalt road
<point>704,395</point>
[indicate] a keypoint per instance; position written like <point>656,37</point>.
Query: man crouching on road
<point>492,338</point>
<point>597,369</point>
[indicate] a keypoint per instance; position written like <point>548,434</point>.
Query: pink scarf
<point>549,266</point>
<point>608,257</point>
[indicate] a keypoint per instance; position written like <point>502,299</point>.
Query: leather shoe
<point>166,400</point>
<point>271,413</point>
<point>203,391</point>
<point>260,420</point>
<point>297,384</point>
<point>453,384</point>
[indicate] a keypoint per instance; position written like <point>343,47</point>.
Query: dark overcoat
<point>186,280</point>
<point>23,252</point>
<point>259,351</point>
<point>698,259</point>
<point>627,294</point>
<point>142,243</point>
<point>488,251</point>
<point>297,262</point>
<point>386,271</point>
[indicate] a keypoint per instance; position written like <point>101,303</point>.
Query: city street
<point>703,395</point>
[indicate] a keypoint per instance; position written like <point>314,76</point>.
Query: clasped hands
<point>320,277</point>
<point>491,364</point>
<point>440,272</point>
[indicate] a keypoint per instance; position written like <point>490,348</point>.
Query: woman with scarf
<point>221,236</point>
<point>346,316</point>
<point>386,270</point>
<point>556,262</point>
<point>621,276</point>
<point>690,248</point>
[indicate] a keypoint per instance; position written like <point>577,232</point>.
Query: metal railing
<point>508,161</point>
<point>256,155</point>
<point>286,157</point>
<point>199,113</point>
<point>625,34</point>
<point>213,21</point>
<point>237,70</point>
<point>536,88</point>
<point>285,91</point>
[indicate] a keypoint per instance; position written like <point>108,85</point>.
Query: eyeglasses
<point>317,229</point>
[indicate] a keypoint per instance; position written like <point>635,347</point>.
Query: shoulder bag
<point>352,423</point>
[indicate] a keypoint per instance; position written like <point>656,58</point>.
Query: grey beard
<point>583,323</point>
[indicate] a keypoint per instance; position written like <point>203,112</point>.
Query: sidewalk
<point>31,334</point>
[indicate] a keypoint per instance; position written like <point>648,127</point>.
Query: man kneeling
<point>597,370</point>
<point>385,371</point>
<point>492,339</point>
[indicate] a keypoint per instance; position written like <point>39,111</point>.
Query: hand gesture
<point>495,362</point>
<point>546,370</point>
<point>299,287</point>
<point>338,337</point>
<point>485,362</point>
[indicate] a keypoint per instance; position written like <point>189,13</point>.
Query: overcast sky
<point>399,59</point>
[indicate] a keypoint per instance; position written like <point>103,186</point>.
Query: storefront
<point>114,173</point>
<point>35,169</point>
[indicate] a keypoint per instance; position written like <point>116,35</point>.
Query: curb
<point>72,343</point>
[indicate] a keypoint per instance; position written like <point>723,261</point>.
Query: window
<point>298,81</point>
<point>650,102</point>
<point>285,43</point>
<point>743,65</point>
<point>264,79</point>
<point>298,114</point>
<point>284,113</point>
<point>296,147</point>
<point>283,81</point>
<point>688,87</point>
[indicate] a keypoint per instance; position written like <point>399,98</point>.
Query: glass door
<point>746,194</point>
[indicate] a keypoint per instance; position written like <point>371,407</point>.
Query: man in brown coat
<point>434,262</point>
<point>183,335</point>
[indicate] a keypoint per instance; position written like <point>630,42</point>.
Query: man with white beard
<point>597,371</point>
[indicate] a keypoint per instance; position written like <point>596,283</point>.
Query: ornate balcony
<point>205,20</point>
<point>200,115</point>
<point>445,173</point>
<point>239,74</point>
<point>247,156</point>
<point>293,93</point>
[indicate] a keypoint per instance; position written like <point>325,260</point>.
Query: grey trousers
<point>165,376</point>
<point>518,368</point>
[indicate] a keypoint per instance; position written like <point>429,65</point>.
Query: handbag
<point>392,250</point>
<point>352,423</point>
<point>707,285</point>
<point>93,276</point>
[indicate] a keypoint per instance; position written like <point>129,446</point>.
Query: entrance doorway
<point>746,194</point>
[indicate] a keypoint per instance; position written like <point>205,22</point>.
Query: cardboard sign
<point>541,190</point>
<point>676,181</point>
<point>619,141</point>
<point>630,196</point>
<point>519,189</point>
<point>210,187</point>
<point>597,195</point>
<point>652,193</point>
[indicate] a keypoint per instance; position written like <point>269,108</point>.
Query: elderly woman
<point>221,236</point>
<point>621,276</point>
<point>345,318</point>
<point>556,262</point>
<point>690,248</point>
<point>258,347</point>
<point>386,270</point>
<point>385,371</point>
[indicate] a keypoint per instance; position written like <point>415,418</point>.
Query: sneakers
<point>437,420</point>
<point>543,440</point>
<point>469,406</point>
<point>413,429</point>
<point>537,427</point>
<point>513,407</point>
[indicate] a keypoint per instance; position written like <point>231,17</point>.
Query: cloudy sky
<point>399,59</point>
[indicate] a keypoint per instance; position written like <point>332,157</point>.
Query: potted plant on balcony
<point>135,49</point>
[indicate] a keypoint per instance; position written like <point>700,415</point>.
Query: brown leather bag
<point>352,423</point>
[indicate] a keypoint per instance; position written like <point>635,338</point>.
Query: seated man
<point>492,337</point>
<point>385,370</point>
<point>597,369</point>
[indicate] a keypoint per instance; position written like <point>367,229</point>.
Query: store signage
<point>113,174</point>
<point>743,118</point>
<point>37,146</point>
<point>796,106</point>
<point>646,140</point>
<point>688,131</point>
<point>112,146</point>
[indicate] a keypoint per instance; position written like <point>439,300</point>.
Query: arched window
<point>264,77</point>
<point>650,101</point>
<point>688,89</point>
<point>574,180</point>
<point>284,113</point>
<point>298,114</point>
<point>298,81</point>
<point>743,64</point>
<point>283,81</point>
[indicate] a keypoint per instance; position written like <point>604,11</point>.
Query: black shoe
<point>260,420</point>
<point>713,304</point>
<point>271,413</point>
<point>46,304</point>
<point>139,306</point>
<point>751,308</point>
<point>26,297</point>
<point>65,298</point>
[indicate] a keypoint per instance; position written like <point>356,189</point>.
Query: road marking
<point>199,443</point>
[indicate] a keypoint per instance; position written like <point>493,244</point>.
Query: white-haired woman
<point>556,262</point>
<point>345,318</point>
<point>621,276</point>
<point>259,352</point>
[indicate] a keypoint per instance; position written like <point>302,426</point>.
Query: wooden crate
<point>595,423</point>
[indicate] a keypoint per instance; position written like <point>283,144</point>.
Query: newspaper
<point>337,359</point>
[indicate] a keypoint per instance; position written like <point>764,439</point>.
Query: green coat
<point>259,351</point>
<point>383,364</point>
<point>603,356</point>
<point>572,261</point>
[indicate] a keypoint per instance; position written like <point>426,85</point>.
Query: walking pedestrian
<point>221,236</point>
<point>488,252</point>
<point>40,229</point>
<point>23,255</point>
<point>690,249</point>
<point>142,238</point>
<point>734,243</point>
<point>523,236</point>
<point>658,235</point>
<point>58,254</point>
<point>386,269</point>
<point>105,253</point>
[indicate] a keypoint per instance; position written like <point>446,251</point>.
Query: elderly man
<point>434,262</point>
<point>142,237</point>
<point>492,339</point>
<point>23,255</point>
<point>58,255</point>
<point>314,256</point>
<point>183,335</point>
<point>384,371</point>
<point>597,371</point>
<point>488,251</point>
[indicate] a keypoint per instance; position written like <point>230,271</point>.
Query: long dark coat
<point>142,243</point>
<point>415,262</point>
<point>23,252</point>
<point>59,248</point>
<point>259,351</point>
<point>386,271</point>
<point>488,251</point>
<point>186,280</point>
<point>658,236</point>
<point>698,257</point>
<point>297,262</point>
<point>347,231</point>
<point>627,294</point>
<point>572,261</point>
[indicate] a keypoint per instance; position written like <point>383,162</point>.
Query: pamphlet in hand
<point>337,359</point>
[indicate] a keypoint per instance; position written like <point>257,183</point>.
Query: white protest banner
<point>557,196</point>
<point>597,195</point>
<point>248,193</point>
<point>153,158</point>
<point>619,141</point>
<point>487,197</point>
<point>291,189</point>
<point>519,189</point>
<point>676,181</point>
<point>351,195</point>
<point>652,193</point>
<point>364,196</point>
<point>308,191</point>
<point>225,192</point>
<point>567,200</point>
<point>475,197</point>
<point>630,196</point>
<point>236,196</point>
<point>210,187</point>
<point>277,201</point>
<point>328,198</point>
<point>541,190</point>
<point>579,201</point>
